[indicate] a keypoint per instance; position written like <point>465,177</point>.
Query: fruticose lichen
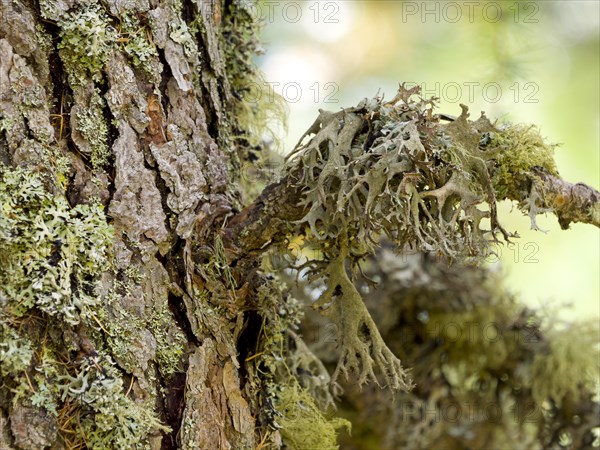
<point>395,169</point>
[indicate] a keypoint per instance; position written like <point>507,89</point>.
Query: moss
<point>517,149</point>
<point>53,255</point>
<point>303,426</point>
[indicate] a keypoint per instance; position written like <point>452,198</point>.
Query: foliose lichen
<point>87,38</point>
<point>106,418</point>
<point>94,129</point>
<point>52,254</point>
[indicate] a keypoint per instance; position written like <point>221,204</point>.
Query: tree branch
<point>570,202</point>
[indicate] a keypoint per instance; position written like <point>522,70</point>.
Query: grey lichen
<point>394,169</point>
<point>91,124</point>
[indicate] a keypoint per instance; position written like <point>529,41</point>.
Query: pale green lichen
<point>94,129</point>
<point>127,331</point>
<point>362,348</point>
<point>170,341</point>
<point>181,34</point>
<point>6,124</point>
<point>394,168</point>
<point>52,254</point>
<point>135,42</point>
<point>107,417</point>
<point>87,39</point>
<point>15,351</point>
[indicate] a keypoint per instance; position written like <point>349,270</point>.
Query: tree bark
<point>131,105</point>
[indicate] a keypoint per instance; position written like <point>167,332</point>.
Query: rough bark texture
<point>135,309</point>
<point>133,99</point>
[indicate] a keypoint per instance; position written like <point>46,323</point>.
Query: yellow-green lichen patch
<point>303,425</point>
<point>52,254</point>
<point>516,150</point>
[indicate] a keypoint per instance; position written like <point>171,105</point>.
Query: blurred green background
<point>533,62</point>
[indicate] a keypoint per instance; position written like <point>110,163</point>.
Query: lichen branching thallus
<point>423,180</point>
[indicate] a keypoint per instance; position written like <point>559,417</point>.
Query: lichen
<point>569,364</point>
<point>107,417</point>
<point>257,114</point>
<point>303,425</point>
<point>53,255</point>
<point>15,351</point>
<point>362,348</point>
<point>87,38</point>
<point>127,332</point>
<point>94,129</point>
<point>133,37</point>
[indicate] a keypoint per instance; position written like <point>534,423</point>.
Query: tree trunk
<point>137,309</point>
<point>130,106</point>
